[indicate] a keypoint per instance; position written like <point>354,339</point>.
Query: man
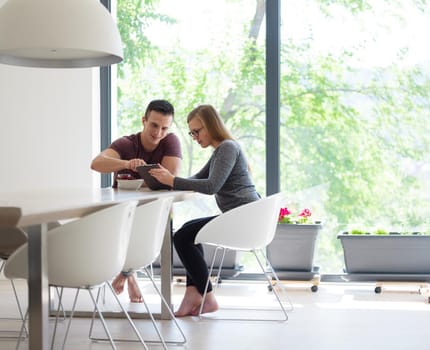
<point>154,144</point>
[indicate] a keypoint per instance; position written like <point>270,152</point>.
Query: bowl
<point>130,184</point>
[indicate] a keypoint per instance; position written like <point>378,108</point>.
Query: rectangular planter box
<point>293,247</point>
<point>387,254</point>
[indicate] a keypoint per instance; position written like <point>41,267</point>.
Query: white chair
<point>146,240</point>
<point>84,254</point>
<point>250,227</point>
<point>11,238</point>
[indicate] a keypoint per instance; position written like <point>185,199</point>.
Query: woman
<point>226,176</point>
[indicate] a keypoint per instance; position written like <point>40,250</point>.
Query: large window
<point>354,96</point>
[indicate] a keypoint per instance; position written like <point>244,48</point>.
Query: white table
<point>39,207</point>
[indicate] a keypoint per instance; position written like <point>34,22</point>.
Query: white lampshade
<point>58,34</point>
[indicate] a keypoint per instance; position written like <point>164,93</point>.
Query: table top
<point>40,206</point>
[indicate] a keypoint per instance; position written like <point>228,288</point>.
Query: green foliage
<point>380,232</point>
<point>286,220</point>
<point>355,6</point>
<point>134,16</point>
<point>357,232</point>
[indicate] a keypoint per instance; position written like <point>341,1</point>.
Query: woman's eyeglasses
<point>195,133</point>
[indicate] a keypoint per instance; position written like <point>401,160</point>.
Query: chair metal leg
<point>102,320</point>
<point>269,280</point>
<point>25,317</point>
<point>267,276</point>
<point>21,314</point>
<point>209,276</point>
<point>57,315</point>
<point>90,332</point>
<point>59,292</point>
<point>20,337</point>
<point>277,281</point>
<point>218,276</point>
<point>130,321</point>
<point>168,307</point>
<point>162,341</point>
<point>70,320</point>
<point>23,332</point>
<point>157,330</point>
<point>96,310</point>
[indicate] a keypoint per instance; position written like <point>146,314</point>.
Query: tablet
<point>151,181</point>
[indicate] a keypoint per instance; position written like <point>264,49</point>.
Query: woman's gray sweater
<point>225,175</point>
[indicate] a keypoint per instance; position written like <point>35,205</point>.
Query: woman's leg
<point>194,262</point>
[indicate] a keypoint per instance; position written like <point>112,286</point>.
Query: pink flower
<point>284,212</point>
<point>283,215</point>
<point>306,213</point>
<point>304,216</point>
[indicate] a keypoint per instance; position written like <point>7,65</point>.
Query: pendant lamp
<point>58,34</point>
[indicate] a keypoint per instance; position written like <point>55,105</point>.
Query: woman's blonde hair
<point>212,121</point>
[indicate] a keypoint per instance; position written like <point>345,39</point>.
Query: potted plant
<point>384,255</point>
<point>292,250</point>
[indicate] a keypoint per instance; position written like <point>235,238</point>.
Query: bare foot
<point>190,302</point>
<point>118,283</point>
<point>133,290</point>
<point>210,305</point>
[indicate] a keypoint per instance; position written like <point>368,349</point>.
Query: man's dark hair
<point>162,106</point>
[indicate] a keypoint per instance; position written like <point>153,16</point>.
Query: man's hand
<point>134,163</point>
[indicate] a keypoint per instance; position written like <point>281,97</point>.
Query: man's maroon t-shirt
<point>130,147</point>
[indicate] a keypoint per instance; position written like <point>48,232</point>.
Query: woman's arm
<point>218,169</point>
<point>166,177</point>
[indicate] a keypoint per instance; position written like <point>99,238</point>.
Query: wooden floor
<point>338,316</point>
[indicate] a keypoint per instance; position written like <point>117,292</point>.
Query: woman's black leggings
<point>191,254</point>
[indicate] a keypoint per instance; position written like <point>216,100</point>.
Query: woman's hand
<point>163,175</point>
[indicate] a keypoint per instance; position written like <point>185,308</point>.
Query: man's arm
<point>173,164</point>
<point>109,161</point>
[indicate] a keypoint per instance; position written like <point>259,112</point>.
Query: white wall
<point>47,121</point>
